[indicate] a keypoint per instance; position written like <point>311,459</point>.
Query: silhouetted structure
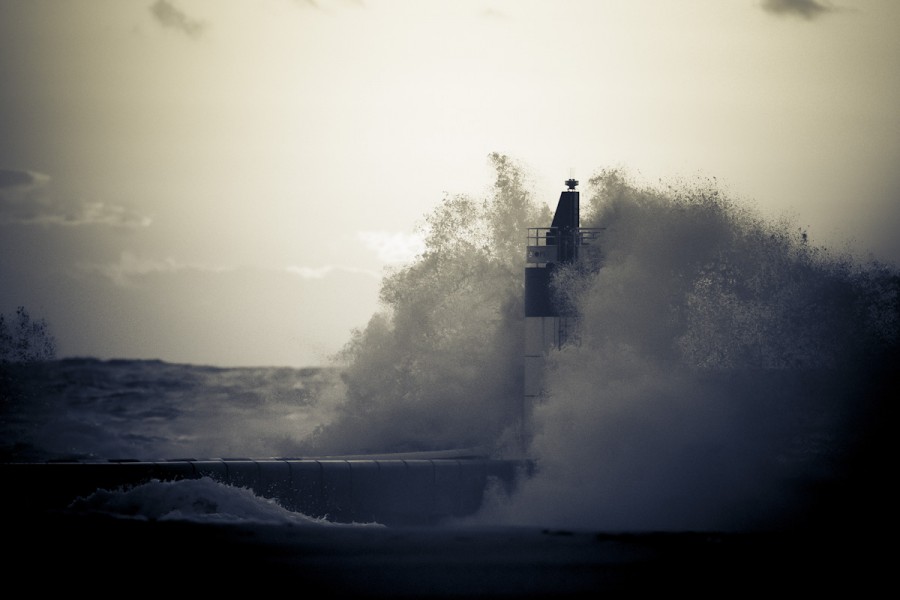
<point>547,324</point>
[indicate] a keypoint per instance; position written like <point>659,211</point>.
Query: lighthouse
<point>548,325</point>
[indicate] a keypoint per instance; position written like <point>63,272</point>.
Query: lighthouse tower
<point>547,325</point>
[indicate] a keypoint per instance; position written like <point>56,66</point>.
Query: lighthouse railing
<point>544,242</point>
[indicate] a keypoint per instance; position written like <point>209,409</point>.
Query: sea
<point>718,423</point>
<point>88,409</point>
<point>204,536</point>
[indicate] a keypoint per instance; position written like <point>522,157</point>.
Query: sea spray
<point>441,365</point>
<point>723,370</point>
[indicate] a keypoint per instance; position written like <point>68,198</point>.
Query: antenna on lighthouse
<point>571,182</point>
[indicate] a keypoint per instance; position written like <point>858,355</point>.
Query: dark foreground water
<point>62,553</point>
<point>203,536</point>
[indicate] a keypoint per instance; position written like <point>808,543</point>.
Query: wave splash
<point>724,365</point>
<point>197,500</point>
<point>440,366</point>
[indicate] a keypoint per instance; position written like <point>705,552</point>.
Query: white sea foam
<point>198,500</point>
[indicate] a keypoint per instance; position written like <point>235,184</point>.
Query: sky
<point>226,182</point>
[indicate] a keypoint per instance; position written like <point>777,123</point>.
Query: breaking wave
<point>440,366</point>
<point>724,365</point>
<point>197,500</point>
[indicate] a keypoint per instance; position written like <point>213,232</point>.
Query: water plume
<point>440,366</point>
<point>724,373</point>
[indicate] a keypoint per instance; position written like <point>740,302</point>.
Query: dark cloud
<point>171,16</point>
<point>25,199</point>
<point>16,178</point>
<point>807,9</point>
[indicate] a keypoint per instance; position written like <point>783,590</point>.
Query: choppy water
<point>129,409</point>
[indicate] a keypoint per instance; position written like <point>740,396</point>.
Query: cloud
<point>24,199</point>
<point>326,270</point>
<point>131,267</point>
<point>19,179</point>
<point>393,247</point>
<point>807,9</point>
<point>100,213</point>
<point>169,15</point>
<point>317,4</point>
<point>493,13</point>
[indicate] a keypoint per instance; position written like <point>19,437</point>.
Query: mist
<point>725,373</point>
<point>440,366</point>
<point>726,369</point>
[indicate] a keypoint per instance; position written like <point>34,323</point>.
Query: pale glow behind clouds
<point>393,248</point>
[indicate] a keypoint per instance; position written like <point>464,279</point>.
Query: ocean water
<point>87,409</point>
<point>121,410</point>
<point>728,374</point>
<point>720,420</point>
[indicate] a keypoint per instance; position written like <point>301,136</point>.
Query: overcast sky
<point>223,182</point>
